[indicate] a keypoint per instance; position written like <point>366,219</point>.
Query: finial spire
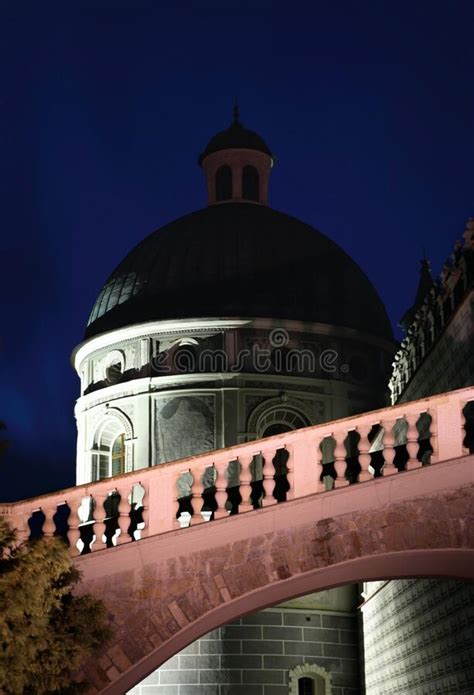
<point>236,111</point>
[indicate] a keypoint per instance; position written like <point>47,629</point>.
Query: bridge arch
<point>168,590</point>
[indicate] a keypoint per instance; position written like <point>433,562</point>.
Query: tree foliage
<point>45,631</point>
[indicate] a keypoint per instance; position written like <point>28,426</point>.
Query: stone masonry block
<point>199,689</point>
<point>302,618</point>
<point>345,651</point>
<point>303,648</point>
<point>198,661</point>
<point>218,676</point>
<point>339,622</point>
<point>262,647</point>
<point>263,618</point>
<point>265,677</point>
<point>320,635</point>
<point>241,661</point>
<point>221,647</point>
<point>283,633</point>
<point>172,677</point>
<point>242,632</point>
<point>246,689</point>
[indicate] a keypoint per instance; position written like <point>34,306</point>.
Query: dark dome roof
<point>235,136</point>
<point>239,260</point>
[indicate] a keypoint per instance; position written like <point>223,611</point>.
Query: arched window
<point>113,366</point>
<point>117,455</point>
<point>110,454</point>
<point>280,418</point>
<point>305,686</point>
<point>309,679</point>
<point>250,183</point>
<point>113,373</point>
<point>223,183</point>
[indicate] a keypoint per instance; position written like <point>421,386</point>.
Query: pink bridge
<point>182,579</point>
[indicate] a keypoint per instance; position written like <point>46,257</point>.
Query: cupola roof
<point>235,137</point>
<point>239,260</point>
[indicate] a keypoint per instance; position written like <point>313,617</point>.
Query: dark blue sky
<point>105,106</point>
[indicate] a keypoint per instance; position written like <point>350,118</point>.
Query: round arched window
<point>223,183</point>
<point>250,183</point>
<point>117,456</point>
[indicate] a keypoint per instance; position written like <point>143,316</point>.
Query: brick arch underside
<point>166,591</point>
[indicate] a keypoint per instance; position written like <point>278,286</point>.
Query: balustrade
<point>294,459</point>
<point>364,452</point>
<point>99,519</point>
<point>340,464</point>
<point>268,472</point>
<point>245,461</point>
<point>197,488</point>
<point>412,441</point>
<point>74,533</point>
<point>49,527</point>
<point>388,447</point>
<point>290,477</point>
<point>221,490</point>
<point>123,518</point>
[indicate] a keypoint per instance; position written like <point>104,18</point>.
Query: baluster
<point>221,489</point>
<point>290,476</point>
<point>137,496</point>
<point>145,516</point>
<point>327,484</point>
<point>49,527</point>
<point>412,441</point>
<point>388,447</point>
<point>268,472</point>
<point>432,412</point>
<point>245,476</point>
<point>99,520</point>
<point>74,532</point>
<point>465,450</point>
<point>21,527</point>
<point>197,489</point>
<point>364,455</point>
<point>177,500</point>
<point>123,518</point>
<point>319,465</point>
<point>340,464</point>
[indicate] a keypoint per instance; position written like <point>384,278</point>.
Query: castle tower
<point>233,323</point>
<point>223,325</point>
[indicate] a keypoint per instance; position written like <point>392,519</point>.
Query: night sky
<point>105,106</point>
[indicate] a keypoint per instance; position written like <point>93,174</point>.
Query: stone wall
<point>419,637</point>
<point>253,656</point>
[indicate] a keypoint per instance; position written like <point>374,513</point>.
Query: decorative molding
<point>209,325</point>
<point>152,328</point>
<point>100,419</point>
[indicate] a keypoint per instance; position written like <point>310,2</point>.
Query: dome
<point>239,260</point>
<point>236,136</point>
